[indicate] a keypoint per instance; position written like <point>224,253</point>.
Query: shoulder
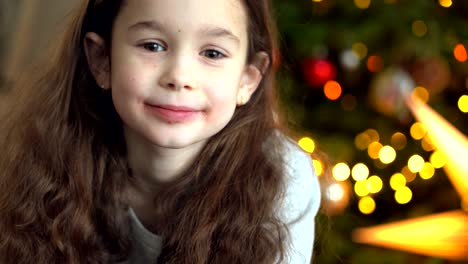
<point>300,203</point>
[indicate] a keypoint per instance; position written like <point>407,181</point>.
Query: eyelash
<point>150,46</point>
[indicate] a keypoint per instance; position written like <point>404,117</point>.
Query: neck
<point>153,166</point>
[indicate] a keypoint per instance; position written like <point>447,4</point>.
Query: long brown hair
<point>63,168</point>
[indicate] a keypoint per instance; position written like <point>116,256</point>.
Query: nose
<point>178,73</point>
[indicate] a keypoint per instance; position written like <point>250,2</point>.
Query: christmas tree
<point>344,69</point>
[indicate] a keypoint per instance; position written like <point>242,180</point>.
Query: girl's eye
<point>153,47</point>
<point>213,54</point>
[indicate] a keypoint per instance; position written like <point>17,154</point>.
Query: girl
<point>151,138</point>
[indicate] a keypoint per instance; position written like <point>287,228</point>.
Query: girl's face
<point>177,68</point>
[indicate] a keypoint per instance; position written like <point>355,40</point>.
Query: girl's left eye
<point>213,54</point>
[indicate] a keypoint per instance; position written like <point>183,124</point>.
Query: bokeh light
<point>360,172</point>
<point>318,167</point>
<point>360,49</point>
<point>375,63</point>
<point>415,163</point>
<point>341,171</point>
<point>437,159</point>
<point>360,188</point>
<point>374,150</point>
<point>362,141</point>
<point>387,154</point>
<point>332,90</point>
<point>418,130</point>
<point>403,195</point>
<point>427,171</point>
<point>335,192</point>
<point>373,134</point>
<point>459,52</point>
<point>421,93</point>
<point>445,3</point>
<point>398,141</point>
<point>409,175</point>
<point>397,181</point>
<point>427,144</point>
<point>307,144</point>
<point>362,4</point>
<point>366,205</point>
<point>419,28</point>
<point>374,184</point>
<point>463,103</point>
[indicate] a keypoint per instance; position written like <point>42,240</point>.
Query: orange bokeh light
<point>332,90</point>
<point>459,52</point>
<point>375,63</point>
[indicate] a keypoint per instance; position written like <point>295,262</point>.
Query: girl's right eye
<point>153,47</point>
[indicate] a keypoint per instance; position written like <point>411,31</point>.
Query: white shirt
<point>298,210</point>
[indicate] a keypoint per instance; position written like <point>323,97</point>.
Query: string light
<point>409,175</point>
<point>360,49</point>
<point>459,52</point>
<point>307,144</point>
<point>418,130</point>
<point>375,63</point>
<point>362,4</point>
<point>318,167</point>
<point>427,144</point>
<point>421,93</point>
<point>445,3</point>
<point>360,188</point>
<point>437,159</point>
<point>403,195</point>
<point>419,28</point>
<point>366,205</point>
<point>360,172</point>
<point>427,171</point>
<point>341,171</point>
<point>387,154</point>
<point>398,141</point>
<point>463,103</point>
<point>374,184</point>
<point>415,163</point>
<point>332,90</point>
<point>397,181</point>
<point>374,149</point>
<point>362,141</point>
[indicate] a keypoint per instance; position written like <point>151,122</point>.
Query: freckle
<point>179,30</point>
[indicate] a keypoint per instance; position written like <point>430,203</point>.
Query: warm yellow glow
<point>362,4</point>
<point>307,144</point>
<point>374,149</point>
<point>419,28</point>
<point>318,167</point>
<point>445,3</point>
<point>442,235</point>
<point>427,171</point>
<point>366,205</point>
<point>437,159</point>
<point>421,93</point>
<point>387,154</point>
<point>415,163</point>
<point>360,172</point>
<point>360,49</point>
<point>459,52</point>
<point>418,130</point>
<point>463,103</point>
<point>409,175</point>
<point>360,188</point>
<point>397,181</point>
<point>341,171</point>
<point>335,192</point>
<point>373,134</point>
<point>448,140</point>
<point>426,144</point>
<point>374,184</point>
<point>362,141</point>
<point>403,195</point>
<point>398,141</point>
<point>317,1</point>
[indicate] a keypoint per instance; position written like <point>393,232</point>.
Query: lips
<point>173,114</point>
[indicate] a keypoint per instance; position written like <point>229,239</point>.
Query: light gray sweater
<point>301,201</point>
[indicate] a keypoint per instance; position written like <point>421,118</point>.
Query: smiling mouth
<point>173,114</point>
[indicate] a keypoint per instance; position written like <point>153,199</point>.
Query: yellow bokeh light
<point>403,195</point>
<point>360,172</point>
<point>463,103</point>
<point>427,171</point>
<point>307,144</point>
<point>418,130</point>
<point>317,1</point>
<point>362,4</point>
<point>421,93</point>
<point>397,181</point>
<point>409,175</point>
<point>398,141</point>
<point>445,3</point>
<point>387,154</point>
<point>374,149</point>
<point>437,159</point>
<point>341,171</point>
<point>360,49</point>
<point>366,205</point>
<point>318,167</point>
<point>373,134</point>
<point>374,184</point>
<point>427,144</point>
<point>419,28</point>
<point>415,163</point>
<point>360,188</point>
<point>362,141</point>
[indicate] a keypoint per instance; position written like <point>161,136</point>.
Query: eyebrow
<point>207,30</point>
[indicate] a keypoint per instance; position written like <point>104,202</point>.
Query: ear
<point>98,59</point>
<point>252,77</point>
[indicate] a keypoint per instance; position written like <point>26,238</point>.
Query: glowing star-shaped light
<point>450,142</point>
<point>442,235</point>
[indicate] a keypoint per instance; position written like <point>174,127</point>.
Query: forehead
<point>186,15</point>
